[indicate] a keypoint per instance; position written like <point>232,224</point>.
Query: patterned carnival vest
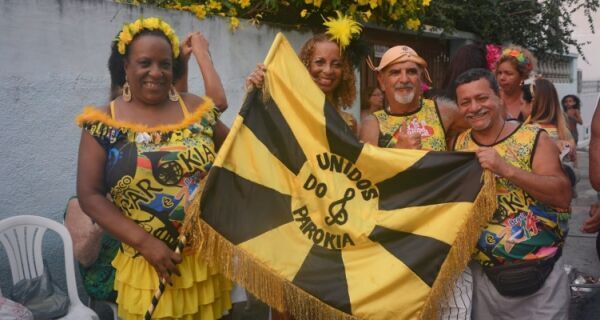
<point>426,121</point>
<point>521,228</point>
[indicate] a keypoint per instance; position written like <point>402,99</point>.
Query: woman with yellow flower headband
<point>149,149</point>
<point>512,68</point>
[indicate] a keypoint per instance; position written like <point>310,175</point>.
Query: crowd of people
<point>155,140</point>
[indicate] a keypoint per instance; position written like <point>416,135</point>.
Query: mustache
<point>408,86</point>
<point>476,114</point>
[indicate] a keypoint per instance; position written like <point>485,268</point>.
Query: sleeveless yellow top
<point>151,175</point>
<point>426,121</point>
<point>550,129</point>
<point>522,228</point>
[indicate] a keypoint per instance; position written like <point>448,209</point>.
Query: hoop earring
<point>173,95</point>
<point>126,92</point>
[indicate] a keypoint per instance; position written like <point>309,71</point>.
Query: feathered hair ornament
<point>342,29</point>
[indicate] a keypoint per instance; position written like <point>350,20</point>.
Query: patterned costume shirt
<point>426,121</point>
<point>522,228</point>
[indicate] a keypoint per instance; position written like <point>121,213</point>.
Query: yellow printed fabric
<point>319,225</point>
<point>522,228</point>
<point>151,175</point>
<point>551,129</point>
<point>425,121</point>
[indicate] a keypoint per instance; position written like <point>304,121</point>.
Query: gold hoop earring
<point>126,92</point>
<point>173,95</point>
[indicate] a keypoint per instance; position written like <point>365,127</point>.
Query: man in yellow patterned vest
<point>518,272</point>
<point>408,121</point>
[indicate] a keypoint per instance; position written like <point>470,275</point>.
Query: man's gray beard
<point>404,98</point>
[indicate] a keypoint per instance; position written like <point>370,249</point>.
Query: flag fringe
<point>261,281</point>
<point>462,248</point>
<point>256,277</point>
<point>191,227</point>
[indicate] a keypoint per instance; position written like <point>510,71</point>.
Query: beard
<point>404,98</point>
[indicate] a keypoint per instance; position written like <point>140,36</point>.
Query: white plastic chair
<point>22,238</point>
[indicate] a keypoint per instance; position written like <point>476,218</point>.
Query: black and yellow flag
<point>319,225</point>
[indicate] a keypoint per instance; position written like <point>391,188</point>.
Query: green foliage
<point>396,14</point>
<point>542,26</point>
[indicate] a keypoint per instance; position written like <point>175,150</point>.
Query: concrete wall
<point>589,102</point>
<point>53,56</point>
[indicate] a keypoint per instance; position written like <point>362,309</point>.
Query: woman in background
<point>372,101</point>
<point>512,69</point>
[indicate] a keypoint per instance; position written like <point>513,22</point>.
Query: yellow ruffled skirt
<point>199,293</point>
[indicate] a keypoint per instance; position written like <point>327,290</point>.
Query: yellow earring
<point>126,92</point>
<point>173,95</point>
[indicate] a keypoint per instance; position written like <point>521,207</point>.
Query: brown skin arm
<point>256,79</point>
<point>369,130</point>
<point>195,43</point>
<point>93,201</point>
<point>220,133</point>
<point>546,183</point>
<point>185,52</point>
<point>592,224</point>
<point>595,150</point>
<point>453,122</point>
<point>577,116</point>
<point>212,82</point>
<point>86,235</point>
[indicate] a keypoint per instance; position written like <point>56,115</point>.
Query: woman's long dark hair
<point>467,57</point>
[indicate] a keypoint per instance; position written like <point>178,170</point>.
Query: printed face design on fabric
<point>351,200</point>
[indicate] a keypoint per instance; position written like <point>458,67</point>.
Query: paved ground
<point>580,248</point>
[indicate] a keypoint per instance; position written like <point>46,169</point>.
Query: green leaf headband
<point>130,30</point>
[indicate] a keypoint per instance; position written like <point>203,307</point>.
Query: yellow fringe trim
<point>279,293</point>
<point>93,114</point>
<point>262,281</point>
<point>463,247</point>
<point>191,229</point>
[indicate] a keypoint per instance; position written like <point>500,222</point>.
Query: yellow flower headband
<point>130,30</point>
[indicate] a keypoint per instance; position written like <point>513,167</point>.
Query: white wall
<point>53,57</point>
<point>588,106</point>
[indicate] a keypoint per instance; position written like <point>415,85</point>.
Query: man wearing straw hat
<point>408,121</point>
